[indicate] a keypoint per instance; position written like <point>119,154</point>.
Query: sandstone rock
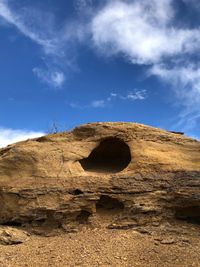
<point>128,174</point>
<point>12,236</point>
<point>167,241</point>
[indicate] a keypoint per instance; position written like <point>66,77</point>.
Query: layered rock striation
<point>123,174</point>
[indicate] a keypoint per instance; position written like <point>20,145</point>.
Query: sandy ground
<point>104,247</point>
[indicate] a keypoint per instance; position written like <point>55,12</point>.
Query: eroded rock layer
<point>123,174</point>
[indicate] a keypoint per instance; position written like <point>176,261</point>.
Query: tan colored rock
<point>12,236</point>
<point>124,174</point>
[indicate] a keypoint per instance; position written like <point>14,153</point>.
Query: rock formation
<point>123,174</point>
<point>12,236</point>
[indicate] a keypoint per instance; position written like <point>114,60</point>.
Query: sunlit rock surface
<point>120,174</point>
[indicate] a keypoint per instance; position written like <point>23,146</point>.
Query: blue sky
<point>79,61</point>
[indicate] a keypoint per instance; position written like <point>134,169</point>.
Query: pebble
<point>167,241</point>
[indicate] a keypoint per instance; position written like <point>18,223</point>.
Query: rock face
<point>125,174</point>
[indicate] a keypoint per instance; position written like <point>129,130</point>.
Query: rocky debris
<point>101,247</point>
<point>165,240</point>
<point>122,175</point>
<point>12,236</point>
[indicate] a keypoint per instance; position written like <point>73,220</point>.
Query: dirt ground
<point>104,247</point>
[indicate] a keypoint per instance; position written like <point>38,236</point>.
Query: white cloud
<point>133,95</point>
<point>98,104</point>
<point>185,81</point>
<point>9,136</point>
<point>142,31</point>
<point>53,78</point>
<point>113,94</point>
<point>148,32</point>
<point>75,105</point>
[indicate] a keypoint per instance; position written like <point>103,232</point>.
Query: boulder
<point>12,236</point>
<point>122,174</point>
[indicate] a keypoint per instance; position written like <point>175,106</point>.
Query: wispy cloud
<point>51,77</point>
<point>133,95</point>
<point>40,26</point>
<point>82,4</point>
<point>136,95</point>
<point>185,77</point>
<point>9,136</point>
<point>23,22</point>
<point>98,104</point>
<point>143,32</point>
<point>185,81</point>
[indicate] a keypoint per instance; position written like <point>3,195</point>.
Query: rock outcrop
<point>123,174</point>
<point>12,236</point>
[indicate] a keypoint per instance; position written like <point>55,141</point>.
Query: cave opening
<point>83,216</point>
<point>77,192</point>
<point>12,224</point>
<point>111,155</point>
<point>106,203</point>
<point>189,214</point>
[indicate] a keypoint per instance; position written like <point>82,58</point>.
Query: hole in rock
<point>41,221</point>
<point>106,203</point>
<point>77,192</point>
<point>111,155</point>
<point>83,216</point>
<point>12,223</point>
<point>189,214</point>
